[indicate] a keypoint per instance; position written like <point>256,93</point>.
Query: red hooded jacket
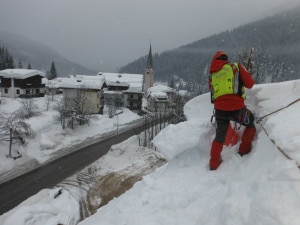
<point>229,102</point>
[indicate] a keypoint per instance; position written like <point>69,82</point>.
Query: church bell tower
<point>149,73</point>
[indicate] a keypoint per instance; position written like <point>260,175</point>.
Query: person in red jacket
<point>226,83</point>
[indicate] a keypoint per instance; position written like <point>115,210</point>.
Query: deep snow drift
<point>260,188</point>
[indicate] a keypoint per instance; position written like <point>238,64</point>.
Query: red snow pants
<point>223,118</point>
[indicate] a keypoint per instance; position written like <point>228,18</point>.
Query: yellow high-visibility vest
<point>225,81</point>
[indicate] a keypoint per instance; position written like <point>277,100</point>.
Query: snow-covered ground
<point>260,188</point>
<point>49,140</point>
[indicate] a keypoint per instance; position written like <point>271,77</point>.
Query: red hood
<point>216,64</point>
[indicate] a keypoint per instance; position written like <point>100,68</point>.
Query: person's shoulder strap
<point>235,68</point>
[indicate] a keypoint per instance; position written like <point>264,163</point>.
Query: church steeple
<point>149,60</point>
<point>149,74</point>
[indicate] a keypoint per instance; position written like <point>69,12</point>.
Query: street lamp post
<point>117,114</point>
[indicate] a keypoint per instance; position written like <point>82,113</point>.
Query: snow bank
<point>260,188</point>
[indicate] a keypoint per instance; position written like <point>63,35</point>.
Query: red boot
<point>247,138</point>
<point>215,155</point>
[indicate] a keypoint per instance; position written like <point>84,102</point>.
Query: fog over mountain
<point>276,39</point>
<point>108,34</point>
<point>39,55</point>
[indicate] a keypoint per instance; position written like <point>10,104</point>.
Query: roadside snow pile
<point>82,194</point>
<point>43,208</point>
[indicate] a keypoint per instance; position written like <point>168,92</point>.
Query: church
<point>158,98</point>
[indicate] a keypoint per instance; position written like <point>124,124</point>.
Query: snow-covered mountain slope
<point>260,188</point>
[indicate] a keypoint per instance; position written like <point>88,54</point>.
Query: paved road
<point>17,190</point>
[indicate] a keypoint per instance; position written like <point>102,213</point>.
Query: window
<point>5,90</point>
<point>18,91</point>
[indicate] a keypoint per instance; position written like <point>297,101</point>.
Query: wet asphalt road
<point>15,191</point>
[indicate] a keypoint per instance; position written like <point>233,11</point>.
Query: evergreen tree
<point>11,63</point>
<point>29,66</point>
<point>52,74</point>
<point>172,83</point>
<point>20,65</point>
<point>2,58</point>
<point>6,60</point>
<point>283,46</point>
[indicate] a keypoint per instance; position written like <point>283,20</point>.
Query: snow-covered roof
<point>134,89</point>
<point>134,80</point>
<point>159,91</point>
<point>78,81</point>
<point>183,92</point>
<point>159,94</point>
<point>20,73</point>
<point>161,88</point>
<point>120,84</point>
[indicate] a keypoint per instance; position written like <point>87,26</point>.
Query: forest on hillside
<point>276,43</point>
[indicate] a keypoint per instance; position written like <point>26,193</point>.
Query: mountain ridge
<point>39,55</point>
<point>276,35</point>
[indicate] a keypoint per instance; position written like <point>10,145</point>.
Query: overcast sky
<point>106,34</point>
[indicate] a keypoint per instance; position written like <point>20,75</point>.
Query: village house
<point>22,83</point>
<point>125,89</point>
<point>117,90</point>
<point>160,98</point>
<point>133,98</point>
<point>88,90</point>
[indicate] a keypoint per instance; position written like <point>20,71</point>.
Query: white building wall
<point>91,99</point>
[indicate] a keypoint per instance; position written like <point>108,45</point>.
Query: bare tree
<point>113,101</point>
<point>74,110</point>
<point>48,102</point>
<point>180,101</point>
<point>81,108</point>
<point>63,112</point>
<point>13,130</point>
<point>28,108</point>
